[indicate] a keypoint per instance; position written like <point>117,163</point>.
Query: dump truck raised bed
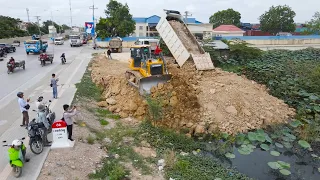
<point>181,42</point>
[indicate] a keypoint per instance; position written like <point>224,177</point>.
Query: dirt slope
<point>198,101</point>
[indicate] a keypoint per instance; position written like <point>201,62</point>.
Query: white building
<point>146,27</point>
<point>227,30</point>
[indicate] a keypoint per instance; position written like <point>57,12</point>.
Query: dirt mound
<point>185,37</point>
<point>198,101</point>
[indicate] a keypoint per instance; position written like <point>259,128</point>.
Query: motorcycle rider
<point>43,56</point>
<point>39,101</point>
<point>64,57</point>
<point>42,119</point>
<point>15,149</point>
<point>12,62</point>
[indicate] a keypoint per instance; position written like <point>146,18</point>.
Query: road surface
<point>34,81</point>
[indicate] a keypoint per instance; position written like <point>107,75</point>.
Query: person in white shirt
<point>24,107</point>
<point>67,117</point>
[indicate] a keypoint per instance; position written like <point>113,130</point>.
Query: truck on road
<point>75,40</point>
<point>115,44</point>
<point>35,46</point>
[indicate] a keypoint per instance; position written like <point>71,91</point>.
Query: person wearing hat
<point>24,107</point>
<point>42,119</point>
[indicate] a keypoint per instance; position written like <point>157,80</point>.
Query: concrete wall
<point>21,39</point>
<point>125,44</point>
<point>140,33</point>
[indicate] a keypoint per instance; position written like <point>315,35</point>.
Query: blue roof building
<point>146,26</point>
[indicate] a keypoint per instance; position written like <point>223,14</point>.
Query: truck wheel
<point>70,45</point>
<point>27,53</point>
<point>24,67</point>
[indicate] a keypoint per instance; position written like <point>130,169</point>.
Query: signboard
<point>52,30</point>
<point>60,135</point>
<point>89,28</point>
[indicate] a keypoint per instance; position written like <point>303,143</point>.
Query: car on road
<point>8,47</point>
<point>59,41</point>
<point>16,43</point>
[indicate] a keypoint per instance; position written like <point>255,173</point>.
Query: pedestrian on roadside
<point>54,85</point>
<point>67,117</point>
<point>24,107</point>
<point>109,53</point>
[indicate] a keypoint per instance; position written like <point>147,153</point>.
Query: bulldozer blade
<point>148,82</point>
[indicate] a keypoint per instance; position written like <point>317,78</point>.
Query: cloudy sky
<point>201,9</point>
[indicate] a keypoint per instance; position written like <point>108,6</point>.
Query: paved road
<point>34,81</point>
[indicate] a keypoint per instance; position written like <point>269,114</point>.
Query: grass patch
<point>111,170</point>
<point>191,167</point>
<point>90,139</point>
<point>87,89</point>
<point>103,122</point>
<point>107,114</point>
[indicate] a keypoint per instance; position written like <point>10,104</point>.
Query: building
<point>227,30</point>
<point>146,27</point>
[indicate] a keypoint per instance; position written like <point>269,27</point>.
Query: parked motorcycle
<point>51,116</point>
<point>35,133</point>
<point>17,156</point>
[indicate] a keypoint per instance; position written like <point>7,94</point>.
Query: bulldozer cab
<point>140,53</point>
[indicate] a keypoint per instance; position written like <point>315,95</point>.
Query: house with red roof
<point>227,30</point>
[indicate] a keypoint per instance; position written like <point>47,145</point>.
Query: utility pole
<point>70,13</point>
<point>94,32</point>
<point>186,14</point>
<point>38,19</point>
<point>28,15</point>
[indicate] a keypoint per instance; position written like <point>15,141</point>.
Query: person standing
<point>24,107</point>
<point>67,117</point>
<point>109,53</point>
<point>54,86</point>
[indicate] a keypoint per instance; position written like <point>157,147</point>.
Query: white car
<point>58,41</point>
<point>174,15</point>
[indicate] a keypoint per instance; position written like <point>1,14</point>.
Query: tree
<point>228,16</point>
<point>118,21</point>
<point>10,27</point>
<point>32,28</point>
<point>278,19</point>
<point>314,24</point>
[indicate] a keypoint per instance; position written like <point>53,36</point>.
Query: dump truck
<point>115,44</point>
<point>181,42</point>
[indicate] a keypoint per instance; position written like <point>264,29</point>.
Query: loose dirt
<point>201,102</point>
<point>185,37</point>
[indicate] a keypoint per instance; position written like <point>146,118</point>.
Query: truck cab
<point>59,41</point>
<point>35,46</point>
<point>75,40</point>
<point>152,42</point>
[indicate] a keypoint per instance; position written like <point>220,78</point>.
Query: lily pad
<point>229,155</point>
<point>244,151</point>
<point>265,147</point>
<point>285,172</point>
<point>260,131</point>
<point>283,165</point>
<point>275,153</point>
<point>291,136</point>
<point>274,165</point>
<point>260,138</point>
<point>314,155</point>
<point>252,136</point>
<point>278,145</point>
<point>286,139</point>
<point>251,146</point>
<point>268,139</point>
<point>304,144</point>
<point>287,145</point>
<point>296,123</point>
<point>246,141</point>
<point>316,108</point>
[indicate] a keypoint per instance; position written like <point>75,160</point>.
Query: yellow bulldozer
<point>147,69</point>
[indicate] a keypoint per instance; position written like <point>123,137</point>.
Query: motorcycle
<point>17,156</point>
<point>35,133</point>
<point>19,64</point>
<point>63,60</point>
<point>51,116</point>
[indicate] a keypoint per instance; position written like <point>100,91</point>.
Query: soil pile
<point>183,34</point>
<point>201,102</point>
